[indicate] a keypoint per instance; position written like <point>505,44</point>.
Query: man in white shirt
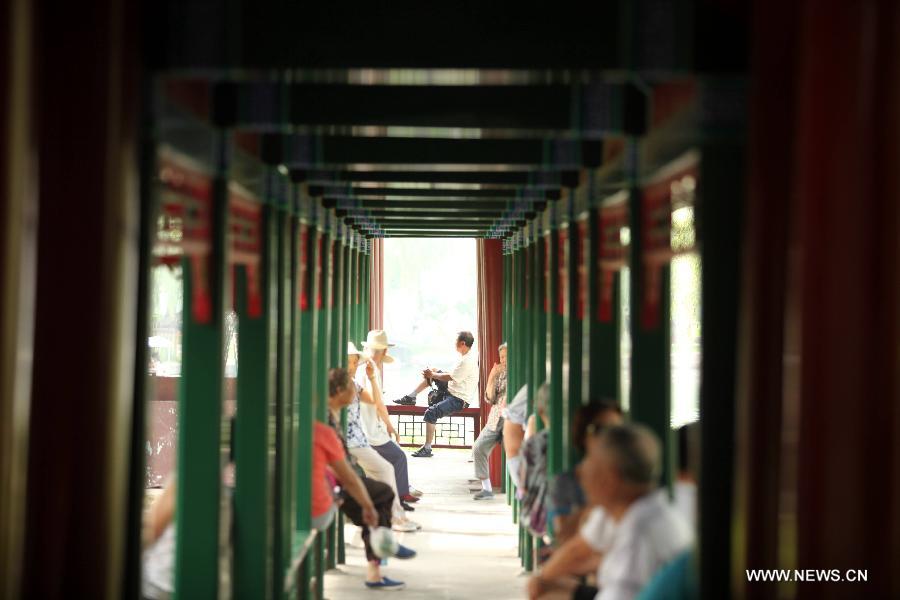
<point>633,526</point>
<point>462,383</point>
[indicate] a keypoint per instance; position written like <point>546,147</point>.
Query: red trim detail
<point>545,284</point>
<point>303,269</point>
<point>319,270</point>
<point>582,287</point>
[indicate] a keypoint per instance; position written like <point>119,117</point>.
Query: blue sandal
<point>385,584</point>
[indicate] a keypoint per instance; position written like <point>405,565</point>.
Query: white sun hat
<point>351,349</point>
<point>378,340</point>
<point>383,542</point>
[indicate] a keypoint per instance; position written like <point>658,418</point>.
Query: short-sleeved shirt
<point>356,435</point>
<point>327,448</point>
<point>650,535</point>
<point>517,410</point>
<point>598,530</point>
<point>464,378</point>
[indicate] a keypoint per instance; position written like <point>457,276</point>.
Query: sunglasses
<point>594,429</point>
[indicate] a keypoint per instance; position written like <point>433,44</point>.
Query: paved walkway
<point>467,549</point>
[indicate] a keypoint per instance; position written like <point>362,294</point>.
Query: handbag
<point>438,392</point>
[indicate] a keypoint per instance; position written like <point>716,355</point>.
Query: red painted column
<point>844,298</point>
<point>490,329</point>
<point>819,406</point>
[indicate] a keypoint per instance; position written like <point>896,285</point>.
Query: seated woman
<point>360,439</point>
<point>366,502</point>
<point>565,498</point>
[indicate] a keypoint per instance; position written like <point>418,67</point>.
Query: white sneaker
<point>415,492</point>
<point>406,526</point>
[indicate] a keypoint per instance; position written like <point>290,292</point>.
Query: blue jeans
<point>444,408</point>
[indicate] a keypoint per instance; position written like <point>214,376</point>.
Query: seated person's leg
<point>430,417</point>
<point>513,434</point>
<point>395,455</point>
<point>410,398</point>
<point>382,497</point>
<point>481,452</point>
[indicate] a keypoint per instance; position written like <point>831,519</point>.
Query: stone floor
<point>467,549</point>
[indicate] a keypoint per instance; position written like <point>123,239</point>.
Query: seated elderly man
<point>632,523</point>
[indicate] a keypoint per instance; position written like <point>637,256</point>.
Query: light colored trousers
<point>482,448</point>
<point>377,468</point>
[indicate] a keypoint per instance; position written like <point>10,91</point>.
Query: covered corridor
<point>256,154</point>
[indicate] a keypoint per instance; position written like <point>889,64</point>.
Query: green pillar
<point>536,329</point>
<point>572,325</point>
<point>283,493</point>
<point>650,350</point>
<point>255,410</point>
<point>555,349</point>
<point>338,350</point>
<point>366,283</point>
<point>324,353</point>
<point>535,335</point>
<point>336,306</point>
<point>323,334</point>
<point>600,332</point>
<point>307,382</point>
<point>200,423</point>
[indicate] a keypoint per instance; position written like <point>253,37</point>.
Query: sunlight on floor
<point>466,549</point>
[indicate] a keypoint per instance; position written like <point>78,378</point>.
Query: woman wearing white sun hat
<point>358,442</point>
<point>376,420</point>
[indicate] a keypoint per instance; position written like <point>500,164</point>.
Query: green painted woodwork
<point>282,490</point>
<point>601,338</point>
<point>338,358</point>
<point>537,326</point>
<point>365,280</point>
<point>255,411</point>
<point>572,326</point>
<point>200,422</point>
<point>323,333</point>
<point>311,374</point>
<point>337,351</point>
<point>295,577</point>
<point>534,333</point>
<point>324,357</point>
<point>555,343</point>
<point>650,402</point>
<point>286,431</point>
